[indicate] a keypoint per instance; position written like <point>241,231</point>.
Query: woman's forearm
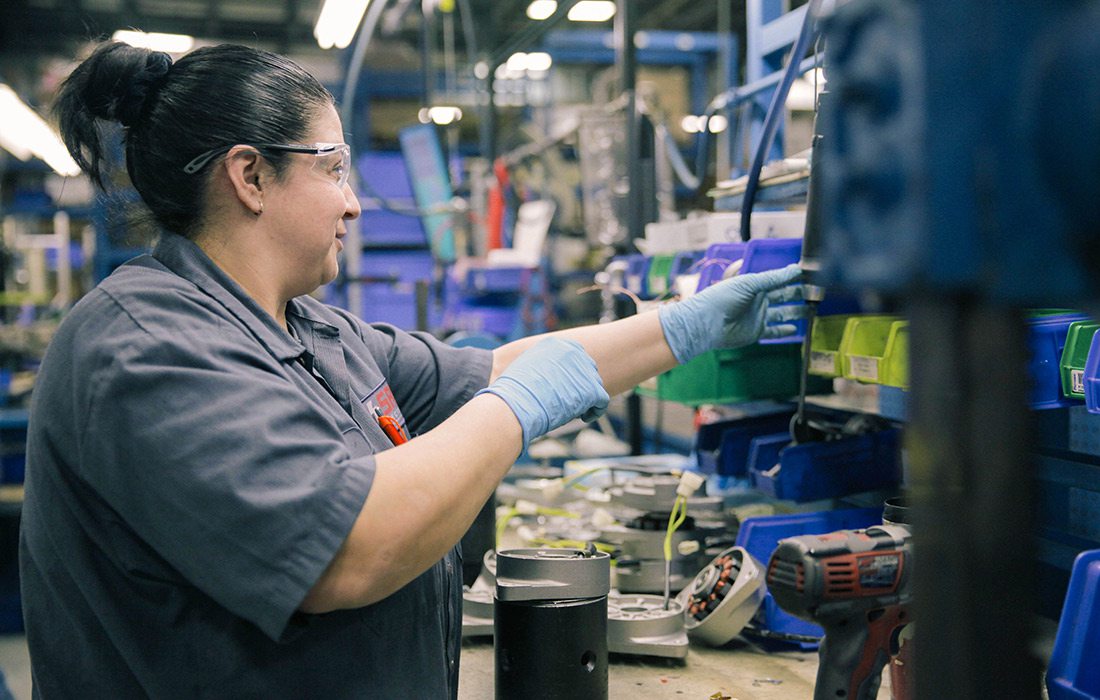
<point>626,351</point>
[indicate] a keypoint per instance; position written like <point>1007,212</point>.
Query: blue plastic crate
<point>717,258</point>
<point>770,254</point>
<point>13,445</point>
<point>637,275</point>
<point>760,536</point>
<point>1074,673</point>
<point>893,402</point>
<point>1047,340</point>
<point>815,470</point>
<point>723,447</point>
<point>496,280</point>
<point>764,450</point>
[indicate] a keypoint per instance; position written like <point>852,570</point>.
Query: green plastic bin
<point>825,340</point>
<point>863,347</point>
<point>1074,355</point>
<point>895,363</point>
<point>659,270</point>
<point>751,373</point>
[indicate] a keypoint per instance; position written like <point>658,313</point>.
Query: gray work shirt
<point>191,471</point>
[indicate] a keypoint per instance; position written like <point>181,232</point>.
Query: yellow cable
<point>675,519</point>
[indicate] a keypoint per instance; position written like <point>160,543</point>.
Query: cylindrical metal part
<point>550,624</point>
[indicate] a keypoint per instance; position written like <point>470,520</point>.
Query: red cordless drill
<point>856,585</point>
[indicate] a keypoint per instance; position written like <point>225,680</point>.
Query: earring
<point>261,211</point>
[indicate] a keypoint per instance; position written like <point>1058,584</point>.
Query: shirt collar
<point>188,260</point>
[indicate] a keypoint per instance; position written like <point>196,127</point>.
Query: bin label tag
<point>1077,379</point>
<point>863,367</point>
<point>824,362</point>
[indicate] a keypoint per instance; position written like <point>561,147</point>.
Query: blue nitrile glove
<point>549,385</point>
<point>733,313</point>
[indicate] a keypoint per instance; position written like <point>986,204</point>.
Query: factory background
<point>530,165</point>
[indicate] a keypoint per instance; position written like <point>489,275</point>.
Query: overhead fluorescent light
<point>539,62</point>
<point>338,22</point>
<point>440,114</point>
<point>155,41</point>
<point>542,9</point>
<point>692,124</point>
<point>24,133</point>
<point>592,11</point>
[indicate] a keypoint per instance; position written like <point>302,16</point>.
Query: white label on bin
<point>863,367</point>
<point>823,362</point>
<point>1077,379</point>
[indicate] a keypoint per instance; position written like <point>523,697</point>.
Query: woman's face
<point>308,210</point>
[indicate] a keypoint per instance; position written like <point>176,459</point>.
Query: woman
<point>212,507</point>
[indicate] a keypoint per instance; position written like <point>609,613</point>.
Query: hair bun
<point>142,85</point>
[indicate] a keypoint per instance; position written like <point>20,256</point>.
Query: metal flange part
<point>639,624</point>
<point>477,613</point>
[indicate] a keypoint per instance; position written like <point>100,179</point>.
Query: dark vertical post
<point>971,481</point>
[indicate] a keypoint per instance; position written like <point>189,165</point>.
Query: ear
<point>248,172</point>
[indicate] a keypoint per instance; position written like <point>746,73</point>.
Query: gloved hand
<point>549,385</point>
<point>735,312</point>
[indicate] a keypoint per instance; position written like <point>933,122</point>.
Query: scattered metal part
<point>757,682</point>
<point>477,613</point>
<point>639,624</point>
<point>655,494</point>
<point>723,597</point>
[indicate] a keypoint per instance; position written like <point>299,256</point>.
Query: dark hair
<point>212,97</point>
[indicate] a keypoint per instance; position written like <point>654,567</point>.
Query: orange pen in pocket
<point>390,427</point>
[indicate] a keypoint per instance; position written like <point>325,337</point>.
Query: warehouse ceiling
<point>62,26</point>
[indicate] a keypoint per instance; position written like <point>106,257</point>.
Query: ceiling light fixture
<point>155,41</point>
<point>592,11</point>
<point>24,133</point>
<point>338,22</point>
<point>542,9</point>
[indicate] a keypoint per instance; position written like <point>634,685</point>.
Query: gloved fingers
<point>770,279</point>
<point>790,312</point>
<point>784,295</point>
<point>597,409</point>
<point>780,331</point>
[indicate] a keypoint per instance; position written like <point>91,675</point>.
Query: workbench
<point>738,671</point>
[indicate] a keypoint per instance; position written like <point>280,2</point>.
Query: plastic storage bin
<point>637,275</point>
<point>1047,340</point>
<point>657,278</point>
<point>730,376</point>
<point>13,445</point>
<point>815,470</point>
<point>825,337</point>
<point>717,260</point>
<point>1074,673</point>
<point>761,535</point>
<point>895,363</point>
<point>770,254</point>
<point>724,447</point>
<point>863,347</point>
<point>1075,355</point>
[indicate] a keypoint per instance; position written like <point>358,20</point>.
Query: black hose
<point>775,111</point>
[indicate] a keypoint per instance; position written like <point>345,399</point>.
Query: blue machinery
<point>958,180</point>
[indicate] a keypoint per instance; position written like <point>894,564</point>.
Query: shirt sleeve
<point>213,457</point>
<point>429,378</point>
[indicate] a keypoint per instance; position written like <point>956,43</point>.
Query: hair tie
<point>143,86</point>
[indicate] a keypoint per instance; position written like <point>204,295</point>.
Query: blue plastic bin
<point>770,254</point>
<point>764,450</point>
<point>723,447</point>
<point>13,445</point>
<point>1074,672</point>
<point>637,275</point>
<point>684,263</point>
<point>815,470</point>
<point>716,259</point>
<point>1047,340</point>
<point>496,280</point>
<point>763,254</point>
<point>761,535</point>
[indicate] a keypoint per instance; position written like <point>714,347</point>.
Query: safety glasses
<point>331,160</point>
